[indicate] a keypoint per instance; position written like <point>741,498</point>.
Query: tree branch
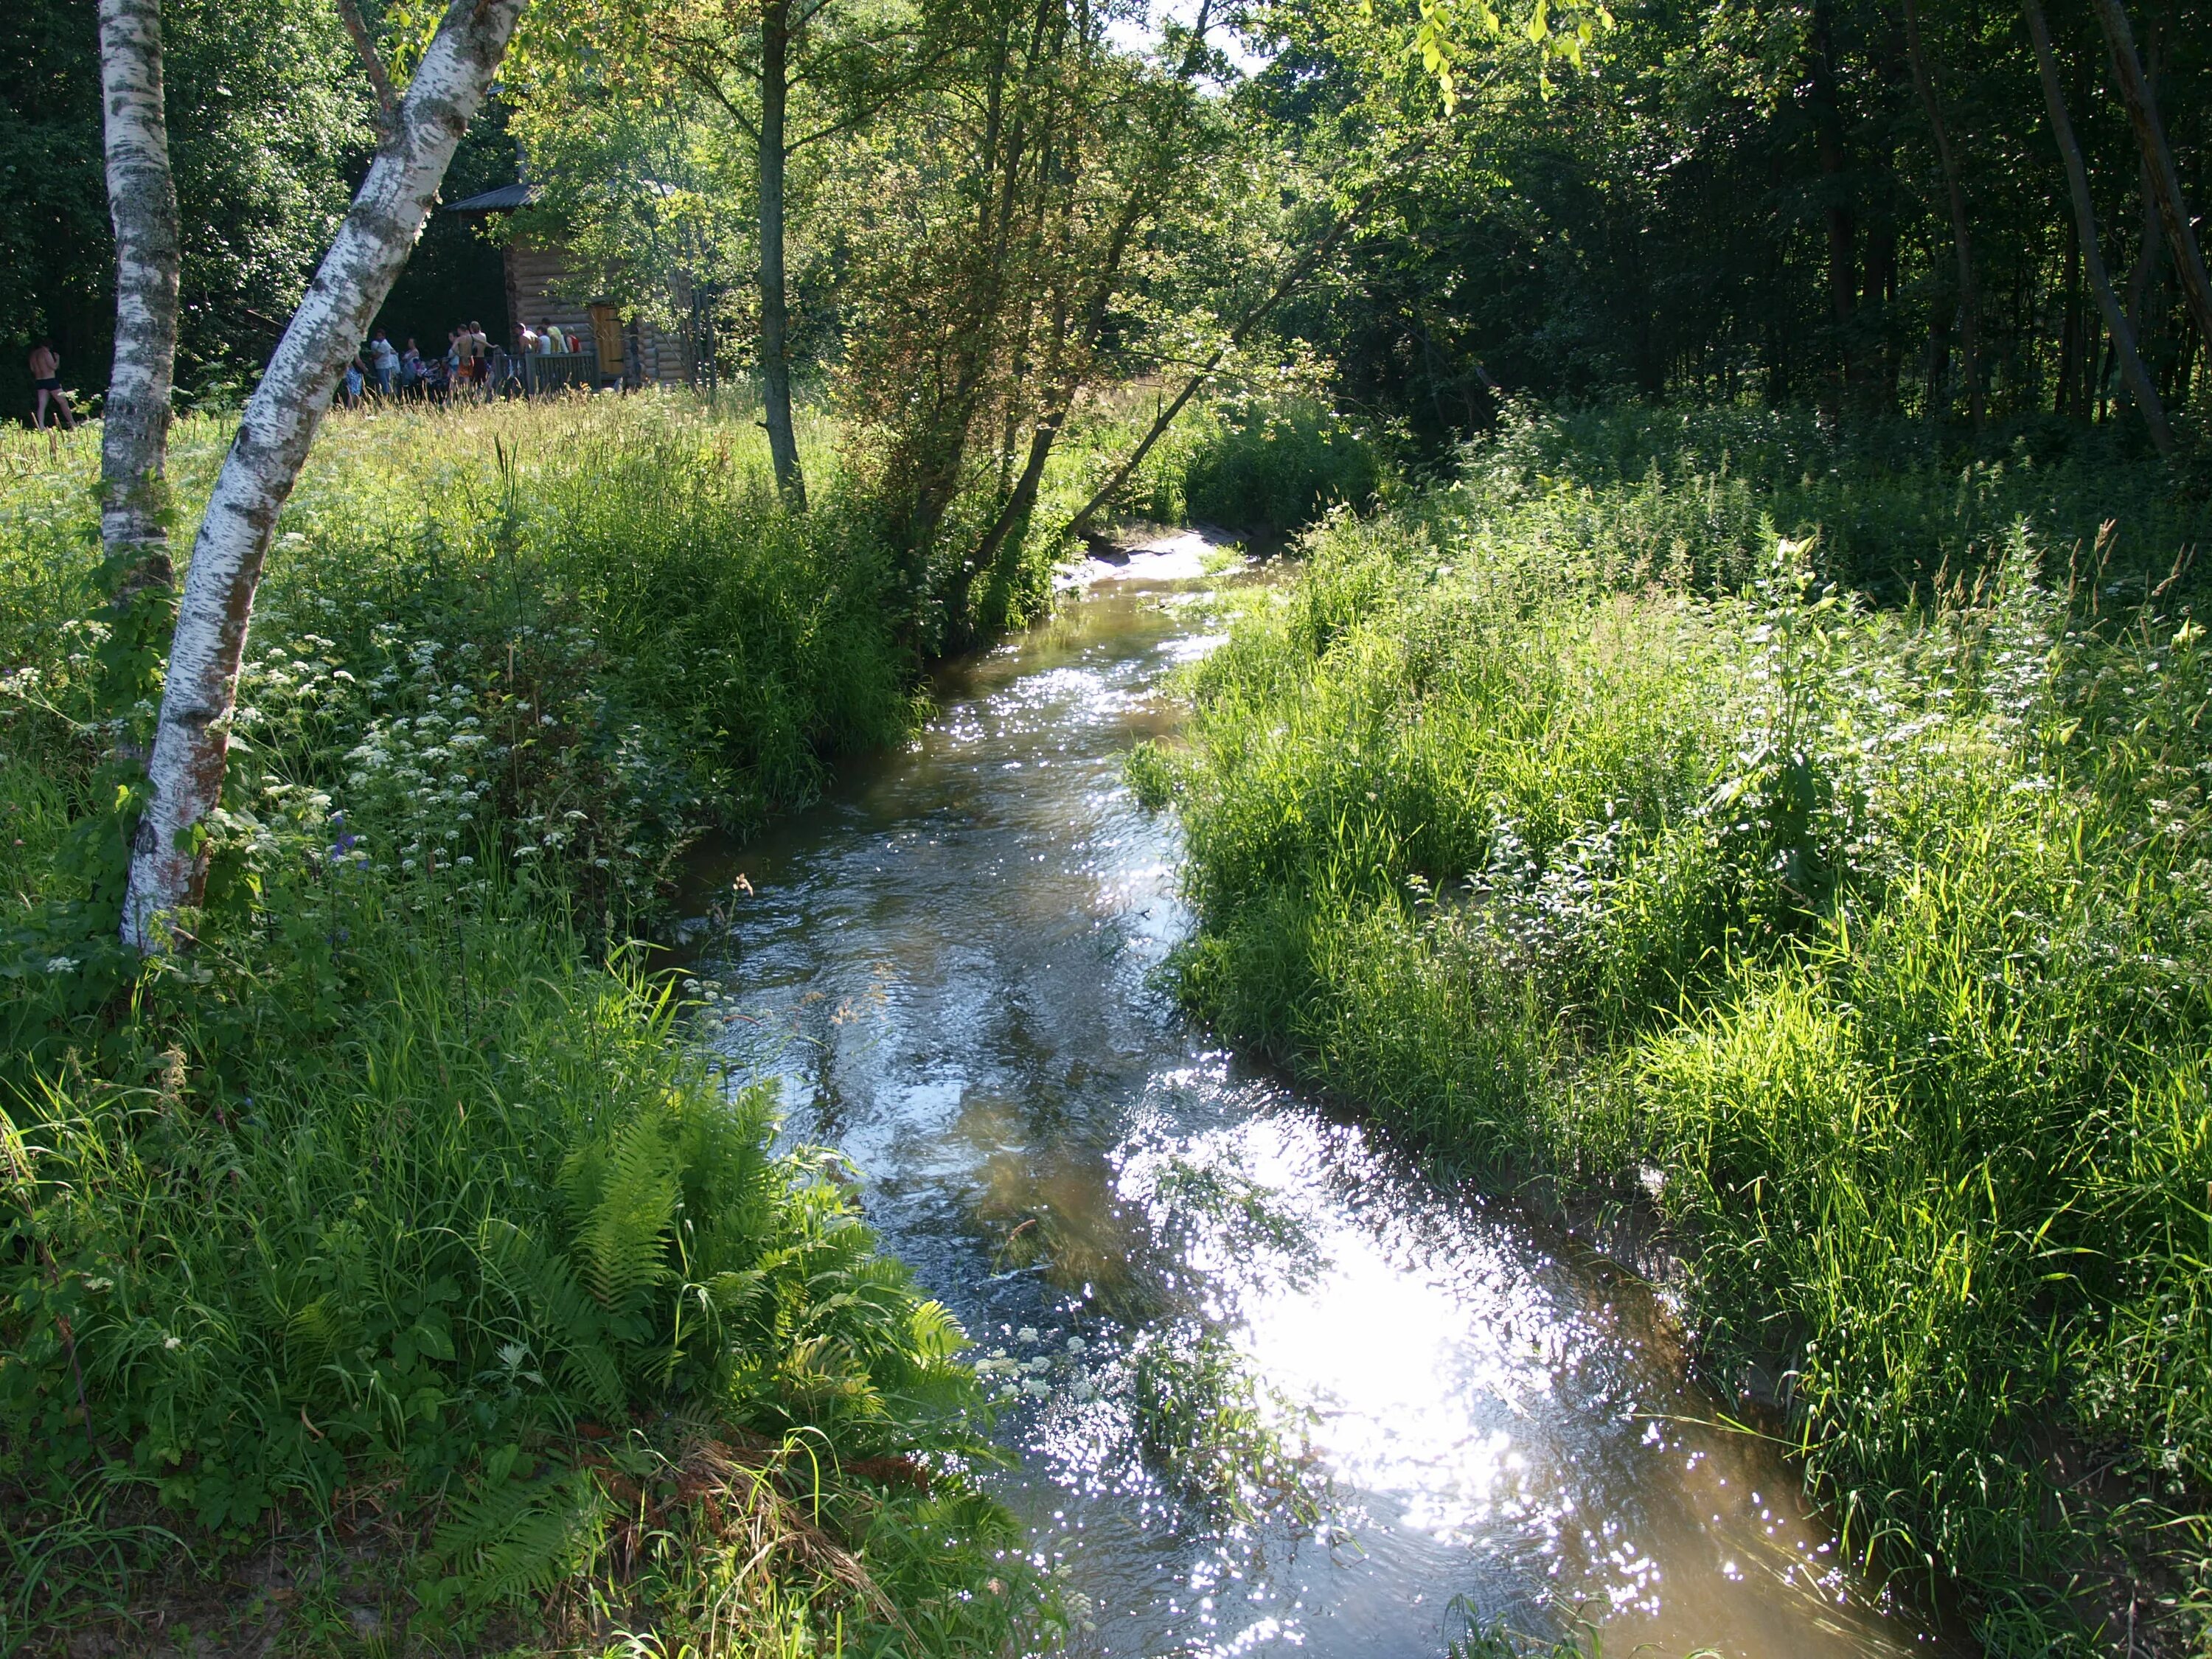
<point>364,45</point>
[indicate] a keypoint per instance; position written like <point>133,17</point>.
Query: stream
<point>951,963</point>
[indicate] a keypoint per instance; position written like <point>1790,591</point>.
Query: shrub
<point>1275,466</point>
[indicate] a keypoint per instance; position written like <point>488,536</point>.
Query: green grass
<point>392,1255</point>
<point>1563,820</point>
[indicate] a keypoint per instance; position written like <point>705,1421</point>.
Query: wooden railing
<point>558,371</point>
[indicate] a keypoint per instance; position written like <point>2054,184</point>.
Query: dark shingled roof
<point>505,199</point>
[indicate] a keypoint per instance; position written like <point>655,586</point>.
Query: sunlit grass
<point>1875,943</point>
<point>387,1253</point>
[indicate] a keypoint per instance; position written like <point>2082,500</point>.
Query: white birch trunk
<point>142,204</point>
<point>191,741</point>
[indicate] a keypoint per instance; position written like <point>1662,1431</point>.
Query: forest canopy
<point>1837,204</point>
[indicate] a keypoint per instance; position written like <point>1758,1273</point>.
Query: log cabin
<point>621,348</point>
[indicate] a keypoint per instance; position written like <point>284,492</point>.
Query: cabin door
<point>607,340</point>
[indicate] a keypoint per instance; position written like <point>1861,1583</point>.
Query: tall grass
<point>395,1225</point>
<point>1869,945</point>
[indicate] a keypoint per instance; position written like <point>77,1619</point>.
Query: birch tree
<point>191,739</point>
<point>142,204</point>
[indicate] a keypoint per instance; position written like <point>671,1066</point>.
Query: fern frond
<point>567,1323</point>
<point>620,1245</point>
<point>521,1539</point>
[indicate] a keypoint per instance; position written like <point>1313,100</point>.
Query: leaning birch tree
<point>192,737</point>
<point>141,205</point>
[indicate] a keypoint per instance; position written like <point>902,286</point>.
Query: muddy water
<point>951,964</point>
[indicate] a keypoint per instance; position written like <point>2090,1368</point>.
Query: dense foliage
<point>1747,202</point>
<point>1568,819</point>
<point>267,120</point>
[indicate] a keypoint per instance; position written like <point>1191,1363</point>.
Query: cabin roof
<point>505,199</point>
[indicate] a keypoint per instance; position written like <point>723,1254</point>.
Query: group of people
<point>470,366</point>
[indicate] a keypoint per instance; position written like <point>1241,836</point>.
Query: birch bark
<point>2085,216</point>
<point>142,204</point>
<point>168,863</point>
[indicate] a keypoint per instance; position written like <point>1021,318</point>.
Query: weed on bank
<point>1578,821</point>
<point>385,1266</point>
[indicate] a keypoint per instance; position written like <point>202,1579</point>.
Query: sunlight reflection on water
<point>951,965</point>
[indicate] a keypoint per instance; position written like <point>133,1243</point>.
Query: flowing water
<point>951,963</point>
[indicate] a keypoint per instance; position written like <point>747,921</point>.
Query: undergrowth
<point>1581,824</point>
<point>386,1264</point>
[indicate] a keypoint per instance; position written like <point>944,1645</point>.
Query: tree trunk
<point>2085,216</point>
<point>2165,184</point>
<point>1962,248</point>
<point>775,315</point>
<point>168,865</point>
<point>2137,302</point>
<point>142,202</point>
<point>1827,127</point>
<point>2069,324</point>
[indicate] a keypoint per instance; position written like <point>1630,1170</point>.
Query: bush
<point>1274,467</point>
<point>1873,943</point>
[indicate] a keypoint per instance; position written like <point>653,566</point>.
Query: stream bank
<point>950,966</point>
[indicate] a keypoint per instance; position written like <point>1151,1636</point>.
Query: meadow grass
<point>389,1261</point>
<point>1573,820</point>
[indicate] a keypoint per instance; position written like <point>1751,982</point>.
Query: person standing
<point>46,382</point>
<point>385,361</point>
<point>411,366</point>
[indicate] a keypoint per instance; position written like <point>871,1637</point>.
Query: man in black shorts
<point>46,380</point>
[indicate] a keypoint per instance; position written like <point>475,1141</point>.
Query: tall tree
<point>142,204</point>
<point>775,300</point>
<point>2158,160</point>
<point>787,74</point>
<point>191,739</point>
<point>1962,247</point>
<point>2132,372</point>
<point>2115,321</point>
<point>1836,207</point>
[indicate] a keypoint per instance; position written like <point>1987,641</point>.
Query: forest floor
<point>1808,840</point>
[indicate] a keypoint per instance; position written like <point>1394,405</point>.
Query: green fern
<point>623,1199</point>
<point>522,1539</point>
<point>567,1324</point>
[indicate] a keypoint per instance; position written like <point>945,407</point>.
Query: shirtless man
<point>47,379</point>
